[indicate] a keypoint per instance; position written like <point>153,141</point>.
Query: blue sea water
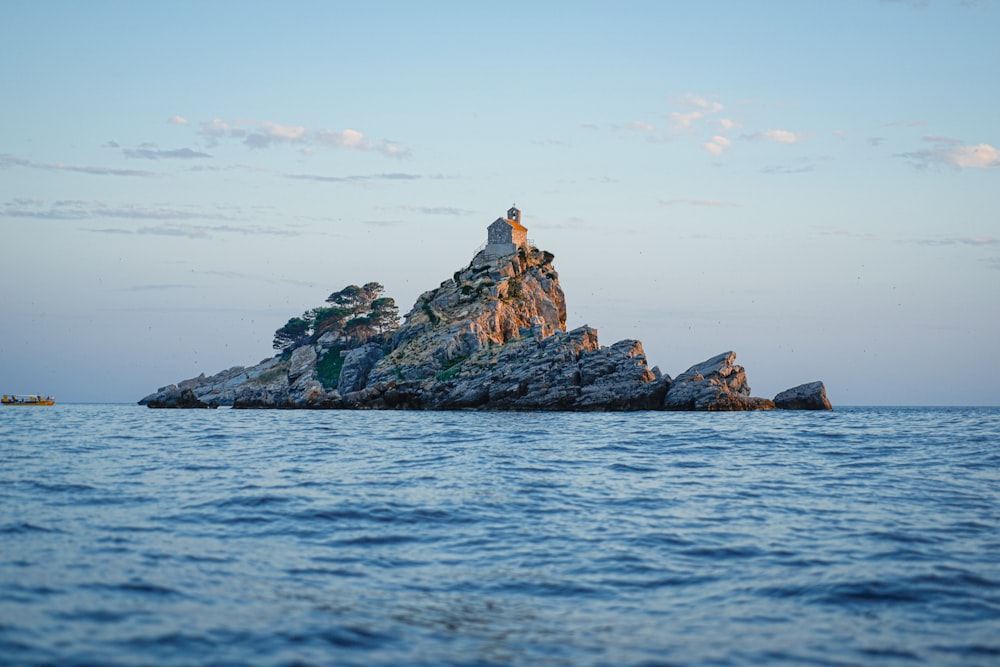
<point>864,536</point>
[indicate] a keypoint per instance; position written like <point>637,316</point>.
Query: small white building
<point>505,235</point>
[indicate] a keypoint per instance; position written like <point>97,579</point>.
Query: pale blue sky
<point>812,184</point>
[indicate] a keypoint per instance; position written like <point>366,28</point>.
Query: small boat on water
<point>27,399</point>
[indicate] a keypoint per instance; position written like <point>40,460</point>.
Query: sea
<point>860,536</point>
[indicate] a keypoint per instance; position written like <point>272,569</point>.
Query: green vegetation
<point>514,289</point>
<point>355,313</point>
<point>431,315</point>
<point>329,366</point>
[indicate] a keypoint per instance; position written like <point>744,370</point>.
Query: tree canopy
<point>355,313</point>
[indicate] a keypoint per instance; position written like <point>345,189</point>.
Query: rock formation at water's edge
<point>493,336</point>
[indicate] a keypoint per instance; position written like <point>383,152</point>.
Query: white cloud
<point>178,120</point>
<point>685,121</point>
<point>696,109</point>
<point>952,153</point>
<point>265,134</point>
<point>717,145</point>
<point>779,136</point>
<point>692,101</point>
<point>285,132</point>
<point>214,130</point>
<point>351,139</point>
<point>982,156</point>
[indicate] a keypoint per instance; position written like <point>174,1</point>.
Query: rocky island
<point>492,336</point>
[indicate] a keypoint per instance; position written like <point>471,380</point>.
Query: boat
<point>27,399</point>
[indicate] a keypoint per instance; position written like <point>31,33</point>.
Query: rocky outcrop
<point>493,336</point>
<point>181,398</point>
<point>565,371</point>
<point>811,396</point>
<point>714,384</point>
<point>358,363</point>
<point>481,308</point>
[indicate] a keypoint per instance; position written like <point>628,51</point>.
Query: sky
<point>814,185</point>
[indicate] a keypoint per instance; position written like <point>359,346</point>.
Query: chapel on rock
<point>505,235</point>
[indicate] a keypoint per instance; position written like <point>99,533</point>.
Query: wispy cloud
<point>696,202</point>
<point>184,230</point>
<point>93,210</point>
<point>12,161</point>
<point>263,134</point>
<point>589,126</point>
<point>694,109</point>
<point>944,151</point>
<point>382,223</point>
<point>639,126</point>
<point>178,120</point>
<point>158,154</point>
<point>913,4</point>
<point>787,169</point>
<point>157,287</point>
<point>976,241</point>
<point>717,145</point>
<point>923,4</point>
<point>779,136</point>
<point>354,178</point>
<point>698,115</point>
<point>437,210</point>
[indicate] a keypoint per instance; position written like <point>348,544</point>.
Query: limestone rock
<point>714,384</point>
<point>358,363</point>
<point>810,396</point>
<point>303,362</point>
<point>488,303</point>
<point>180,398</point>
<point>564,371</point>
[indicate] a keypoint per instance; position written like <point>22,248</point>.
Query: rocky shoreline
<point>493,336</point>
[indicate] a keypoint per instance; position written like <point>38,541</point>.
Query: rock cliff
<point>493,336</point>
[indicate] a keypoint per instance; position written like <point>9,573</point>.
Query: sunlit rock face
<point>485,305</point>
<point>714,384</point>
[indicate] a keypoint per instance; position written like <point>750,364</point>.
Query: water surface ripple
<point>158,537</point>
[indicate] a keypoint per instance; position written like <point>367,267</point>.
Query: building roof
<point>518,227</point>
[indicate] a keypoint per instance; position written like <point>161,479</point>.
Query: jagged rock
<point>358,363</point>
<point>180,398</point>
<point>810,396</point>
<point>303,362</point>
<point>220,388</point>
<point>486,304</point>
<point>714,384</point>
<point>564,371</point>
